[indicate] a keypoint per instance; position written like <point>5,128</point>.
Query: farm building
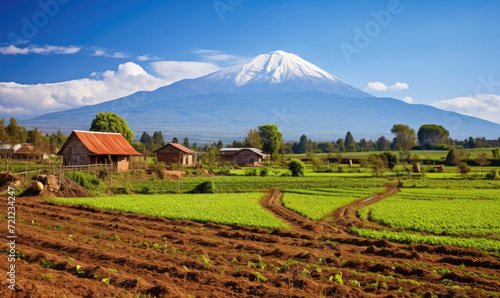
<point>91,147</point>
<point>243,156</point>
<point>23,151</point>
<point>175,153</point>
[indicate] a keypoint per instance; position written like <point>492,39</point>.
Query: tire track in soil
<point>229,249</point>
<point>346,216</point>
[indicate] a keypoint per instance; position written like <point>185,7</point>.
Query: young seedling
<point>259,277</point>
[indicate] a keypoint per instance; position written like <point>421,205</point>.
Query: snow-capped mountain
<point>276,71</point>
<point>279,88</point>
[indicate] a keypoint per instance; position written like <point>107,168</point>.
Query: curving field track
<point>73,251</point>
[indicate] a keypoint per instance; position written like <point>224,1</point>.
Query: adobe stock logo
<point>364,36</point>
<point>223,6</point>
<point>49,9</point>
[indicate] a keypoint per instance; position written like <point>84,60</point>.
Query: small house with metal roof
<point>92,147</point>
<point>243,156</point>
<point>176,153</point>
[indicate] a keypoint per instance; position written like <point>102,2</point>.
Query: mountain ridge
<point>279,88</point>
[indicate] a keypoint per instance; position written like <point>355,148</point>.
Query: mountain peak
<point>278,71</point>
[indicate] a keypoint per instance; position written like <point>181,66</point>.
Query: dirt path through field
<point>75,251</point>
<point>346,216</point>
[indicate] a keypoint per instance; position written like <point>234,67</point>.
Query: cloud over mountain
<point>26,99</point>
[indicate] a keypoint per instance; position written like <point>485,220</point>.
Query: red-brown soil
<point>55,239</point>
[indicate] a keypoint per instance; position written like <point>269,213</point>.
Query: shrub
<point>84,179</point>
<point>496,153</point>
<point>204,187</point>
<point>494,175</point>
<point>251,172</point>
<point>297,167</point>
<point>264,172</point>
<point>159,170</point>
<point>464,168</point>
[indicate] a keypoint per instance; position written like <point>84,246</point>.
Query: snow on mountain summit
<point>277,71</point>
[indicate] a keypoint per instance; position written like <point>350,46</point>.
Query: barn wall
<point>247,157</point>
<point>75,153</point>
<point>122,164</point>
<point>168,158</point>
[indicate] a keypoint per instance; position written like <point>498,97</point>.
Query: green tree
<point>175,140</point>
<point>363,145</point>
<point>432,134</point>
<point>383,144</point>
<point>111,122</point>
<point>482,160</point>
<point>297,167</point>
<point>15,134</point>
<point>341,145</point>
<point>146,138</point>
<point>158,139</point>
<point>302,146</point>
<point>253,139</point>
<point>220,144</point>
<point>349,142</point>
<point>405,137</point>
<point>186,142</point>
<point>271,138</point>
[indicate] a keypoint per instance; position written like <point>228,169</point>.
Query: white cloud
<point>172,71</point>
<point>147,58</point>
<point>45,50</point>
<point>407,99</point>
<point>219,56</point>
<point>32,100</point>
<point>399,86</point>
<point>485,106</point>
<point>378,86</point>
<point>103,53</point>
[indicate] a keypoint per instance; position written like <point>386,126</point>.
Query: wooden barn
<point>243,156</point>
<point>91,147</point>
<point>176,153</point>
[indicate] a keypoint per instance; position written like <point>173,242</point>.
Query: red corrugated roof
<point>103,143</point>
<point>178,146</point>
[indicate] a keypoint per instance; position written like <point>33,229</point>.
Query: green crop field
<point>483,244</point>
<point>250,183</point>
<point>440,211</point>
<point>316,204</point>
<point>230,209</point>
<point>423,154</point>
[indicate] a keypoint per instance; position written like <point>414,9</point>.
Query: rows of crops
<point>253,183</point>
<point>440,211</point>
<point>403,237</point>
<point>316,204</point>
<point>230,209</point>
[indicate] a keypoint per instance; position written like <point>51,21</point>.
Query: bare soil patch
<point>77,251</point>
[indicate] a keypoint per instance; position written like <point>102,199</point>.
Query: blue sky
<point>64,54</point>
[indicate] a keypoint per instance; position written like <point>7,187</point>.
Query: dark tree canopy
<point>341,145</point>
<point>111,122</point>
<point>302,146</point>
<point>158,138</point>
<point>146,138</point>
<point>383,144</point>
<point>271,139</point>
<point>220,144</point>
<point>186,142</point>
<point>349,139</point>
<point>432,134</point>
<point>175,140</point>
